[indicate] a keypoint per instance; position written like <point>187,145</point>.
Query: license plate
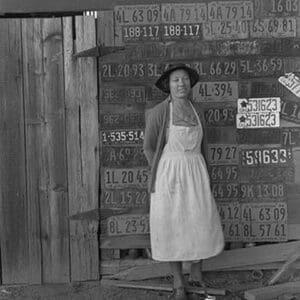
<point>123,94</point>
<point>137,14</point>
<point>183,13</point>
<point>129,198</point>
<point>253,105</point>
<point>223,116</point>
<point>125,178</point>
<point>141,33</point>
<point>222,154</point>
<point>260,232</point>
<point>258,120</point>
<point>290,137</point>
<point>267,173</point>
<point>110,120</point>
<point>215,91</point>
<point>290,111</point>
<point>266,156</point>
<point>273,28</point>
<point>221,135</point>
<point>277,8</point>
<point>262,191</point>
<point>232,231</point>
<point>225,191</point>
<point>261,67</point>
<point>264,212</point>
<point>126,156</point>
<point>220,30</point>
<point>229,212</point>
<point>259,136</point>
<point>291,82</point>
<point>122,137</point>
<point>181,32</point>
<point>127,225</point>
<point>223,173</point>
<point>230,10</point>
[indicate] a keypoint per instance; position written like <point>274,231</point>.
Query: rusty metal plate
<point>290,137</point>
<point>225,191</point>
<point>227,173</point>
<point>221,30</point>
<point>215,91</point>
<point>126,156</point>
<point>126,198</point>
<point>122,137</point>
<point>265,156</point>
<point>262,191</point>
<point>123,94</point>
<point>230,10</point>
<point>183,13</point>
<point>261,66</point>
<point>220,116</point>
<point>258,120</point>
<point>290,111</point>
<point>222,154</point>
<point>259,136</point>
<point>127,225</point>
<point>125,178</point>
<point>229,212</point>
<point>273,28</point>
<point>270,104</point>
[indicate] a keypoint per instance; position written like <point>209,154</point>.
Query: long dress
<point>184,220</point>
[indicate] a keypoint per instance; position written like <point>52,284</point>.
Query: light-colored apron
<point>184,220</point>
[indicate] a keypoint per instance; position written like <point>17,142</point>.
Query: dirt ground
<point>235,284</point>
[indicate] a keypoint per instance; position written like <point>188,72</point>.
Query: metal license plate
<point>137,14</point>
<point>258,120</point>
<point>117,156</point>
<point>269,232</point>
<point>125,178</point>
<point>259,136</point>
<point>258,105</point>
<point>132,198</point>
<point>223,173</point>
<point>130,71</point>
<point>290,111</point>
<point>122,137</point>
<point>218,68</point>
<point>141,33</point>
<point>221,154</point>
<point>221,30</point>
<point>262,191</point>
<point>239,47</point>
<point>225,191</point>
<point>110,120</point>
<point>221,135</point>
<point>268,66</point>
<point>230,10</point>
<point>291,82</point>
<point>127,225</point>
<point>265,156</point>
<point>264,212</point>
<point>223,116</point>
<point>277,8</point>
<point>215,91</point>
<point>260,88</point>
<point>183,13</point>
<point>290,137</point>
<point>181,31</point>
<point>232,231</point>
<point>273,28</point>
<point>267,173</point>
<point>229,212</point>
<point>123,94</point>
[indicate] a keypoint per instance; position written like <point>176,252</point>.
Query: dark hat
<point>163,81</point>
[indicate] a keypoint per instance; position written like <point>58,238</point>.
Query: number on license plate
<point>253,105</point>
<point>122,137</point>
<point>258,120</point>
<point>222,154</point>
<point>291,82</point>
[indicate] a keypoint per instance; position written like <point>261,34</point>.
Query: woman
<point>184,221</point>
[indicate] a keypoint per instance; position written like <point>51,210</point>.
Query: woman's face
<point>180,84</point>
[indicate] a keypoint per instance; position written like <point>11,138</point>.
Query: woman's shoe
<point>179,294</point>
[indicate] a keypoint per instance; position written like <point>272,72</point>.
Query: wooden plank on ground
<point>52,182</point>
<point>271,292</point>
<point>82,146</point>
<point>159,287</point>
<point>14,210</point>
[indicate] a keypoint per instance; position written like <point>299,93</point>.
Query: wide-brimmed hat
<point>163,81</point>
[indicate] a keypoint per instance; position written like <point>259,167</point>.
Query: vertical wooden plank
<point>52,183</point>
<point>82,146</point>
<point>14,209</point>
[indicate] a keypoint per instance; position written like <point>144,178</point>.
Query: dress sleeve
<point>151,135</point>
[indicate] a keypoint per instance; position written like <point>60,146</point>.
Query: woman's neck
<point>180,101</point>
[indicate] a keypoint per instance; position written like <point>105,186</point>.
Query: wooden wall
<point>49,150</point>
